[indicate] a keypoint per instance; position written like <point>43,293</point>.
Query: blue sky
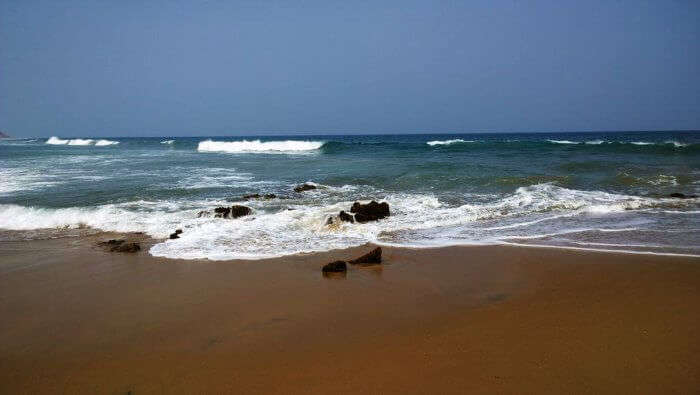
<point>125,68</point>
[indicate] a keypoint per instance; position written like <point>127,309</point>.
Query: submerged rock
<point>304,187</point>
<point>120,245</point>
<point>259,196</point>
<point>127,247</point>
<point>372,257</point>
<point>335,267</point>
<point>371,211</point>
<point>679,195</point>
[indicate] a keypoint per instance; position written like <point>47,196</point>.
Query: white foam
<point>257,146</point>
<point>276,231</point>
<point>676,144</point>
<point>79,142</point>
<point>641,143</point>
<point>595,142</point>
<point>448,142</point>
<point>563,142</point>
<point>169,142</point>
<point>101,143</point>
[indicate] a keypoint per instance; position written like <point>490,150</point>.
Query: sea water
<point>578,190</point>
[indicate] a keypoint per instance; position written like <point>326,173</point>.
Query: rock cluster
<point>362,213</point>
<point>371,258</point>
<point>234,211</point>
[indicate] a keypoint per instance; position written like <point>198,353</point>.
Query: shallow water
<point>584,190</point>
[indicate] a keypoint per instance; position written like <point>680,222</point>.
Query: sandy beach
<point>477,319</point>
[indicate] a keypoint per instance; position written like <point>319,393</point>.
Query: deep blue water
<point>589,190</point>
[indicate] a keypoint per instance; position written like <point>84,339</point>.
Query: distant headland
<point>3,135</point>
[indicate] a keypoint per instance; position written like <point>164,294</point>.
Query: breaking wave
<point>99,143</point>
<point>448,142</point>
<point>297,226</point>
<point>257,146</point>
<point>563,142</point>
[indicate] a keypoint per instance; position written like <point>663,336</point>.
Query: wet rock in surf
<point>345,217</point>
<point>234,211</point>
<point>259,196</point>
<point>679,195</point>
<point>304,187</point>
<point>372,257</point>
<point>371,211</point>
<point>176,234</point>
<point>335,267</point>
<point>120,245</point>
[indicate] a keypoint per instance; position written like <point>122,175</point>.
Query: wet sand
<point>77,319</point>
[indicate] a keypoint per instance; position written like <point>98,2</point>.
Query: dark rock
<point>259,196</point>
<point>345,217</point>
<point>120,245</point>
<point>374,256</point>
<point>203,213</point>
<point>682,196</point>
<point>111,243</point>
<point>234,211</point>
<point>176,234</point>
<point>371,211</point>
<point>329,220</point>
<point>304,187</point>
<point>126,247</point>
<point>335,267</point>
<point>239,211</point>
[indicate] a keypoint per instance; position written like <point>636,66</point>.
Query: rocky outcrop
<point>120,245</point>
<point>234,211</point>
<point>335,267</point>
<point>362,213</point>
<point>370,258</point>
<point>678,195</point>
<point>305,187</point>
<point>371,211</point>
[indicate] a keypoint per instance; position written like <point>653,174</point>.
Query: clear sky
<point>130,68</point>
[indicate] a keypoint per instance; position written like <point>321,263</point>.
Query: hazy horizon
<point>82,69</point>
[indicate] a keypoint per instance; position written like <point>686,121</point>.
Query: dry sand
<point>76,319</point>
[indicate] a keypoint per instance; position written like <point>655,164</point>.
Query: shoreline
<point>449,319</point>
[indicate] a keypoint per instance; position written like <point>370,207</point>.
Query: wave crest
<point>257,146</point>
<point>448,142</point>
<point>82,142</point>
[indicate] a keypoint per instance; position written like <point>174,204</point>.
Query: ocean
<point>604,191</point>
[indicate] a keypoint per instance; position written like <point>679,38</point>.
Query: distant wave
<point>286,146</point>
<point>676,144</point>
<point>100,143</point>
<point>595,142</point>
<point>563,142</point>
<point>641,143</point>
<point>448,142</point>
<point>169,142</point>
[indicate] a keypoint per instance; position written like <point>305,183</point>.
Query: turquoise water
<point>584,190</point>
